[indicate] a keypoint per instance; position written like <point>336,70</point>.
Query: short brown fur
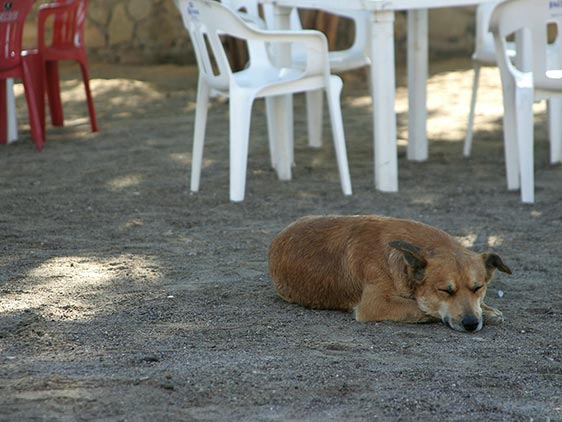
<point>385,269</point>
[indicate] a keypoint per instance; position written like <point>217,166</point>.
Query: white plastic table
<point>383,77</point>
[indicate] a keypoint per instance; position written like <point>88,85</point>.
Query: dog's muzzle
<point>468,323</point>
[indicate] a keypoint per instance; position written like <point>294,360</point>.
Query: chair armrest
<point>305,36</point>
<point>314,43</point>
<point>506,65</point>
<point>242,29</point>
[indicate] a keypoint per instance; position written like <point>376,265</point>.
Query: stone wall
<point>137,31</point>
<point>151,31</point>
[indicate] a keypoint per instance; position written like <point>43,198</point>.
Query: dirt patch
<point>126,297</point>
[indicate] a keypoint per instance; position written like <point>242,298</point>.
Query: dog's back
<point>305,264</point>
<point>384,269</point>
<point>323,262</point>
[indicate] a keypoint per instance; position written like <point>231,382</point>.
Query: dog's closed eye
<point>448,290</point>
<point>476,288</point>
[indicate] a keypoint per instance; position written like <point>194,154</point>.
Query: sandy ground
<point>124,297</point>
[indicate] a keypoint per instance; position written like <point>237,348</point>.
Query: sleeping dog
<point>384,269</point>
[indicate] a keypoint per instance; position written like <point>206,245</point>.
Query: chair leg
<point>510,134</point>
<point>291,137</point>
<point>333,93</point>
<point>34,94</point>
<point>282,156</point>
<point>53,92</point>
<point>240,117</point>
<point>89,99</point>
<point>201,109</point>
<point>524,121</point>
<point>12,114</point>
<point>555,129</point>
<point>271,135</point>
<point>314,113</point>
<point>470,126</point>
<point>3,114</point>
<point>8,119</point>
<point>281,117</point>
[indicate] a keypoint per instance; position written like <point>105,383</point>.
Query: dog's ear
<point>413,256</point>
<point>492,262</point>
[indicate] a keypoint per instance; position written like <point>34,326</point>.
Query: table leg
<point>513,161</point>
<point>417,85</point>
<point>3,114</point>
<point>282,106</point>
<point>555,120</point>
<point>383,89</point>
<point>555,129</point>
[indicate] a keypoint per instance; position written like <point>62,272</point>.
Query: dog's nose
<point>470,323</point>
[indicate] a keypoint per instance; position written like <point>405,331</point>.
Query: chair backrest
<point>533,17</point>
<point>68,26</point>
<point>484,40</point>
<point>12,18</point>
<point>361,21</point>
<point>294,17</point>
<point>251,7</point>
<point>206,21</point>
<point>200,19</point>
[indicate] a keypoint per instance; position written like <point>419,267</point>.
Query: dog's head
<point>450,284</point>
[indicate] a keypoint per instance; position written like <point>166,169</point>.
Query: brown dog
<point>384,269</point>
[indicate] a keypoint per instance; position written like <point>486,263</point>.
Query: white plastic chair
<point>206,21</point>
<point>354,57</point>
<point>522,88</point>
<point>248,10</point>
<point>484,55</point>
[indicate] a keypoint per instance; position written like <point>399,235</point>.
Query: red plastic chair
<point>67,43</point>
<point>24,65</point>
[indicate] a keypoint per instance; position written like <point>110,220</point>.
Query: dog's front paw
<point>492,316</point>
